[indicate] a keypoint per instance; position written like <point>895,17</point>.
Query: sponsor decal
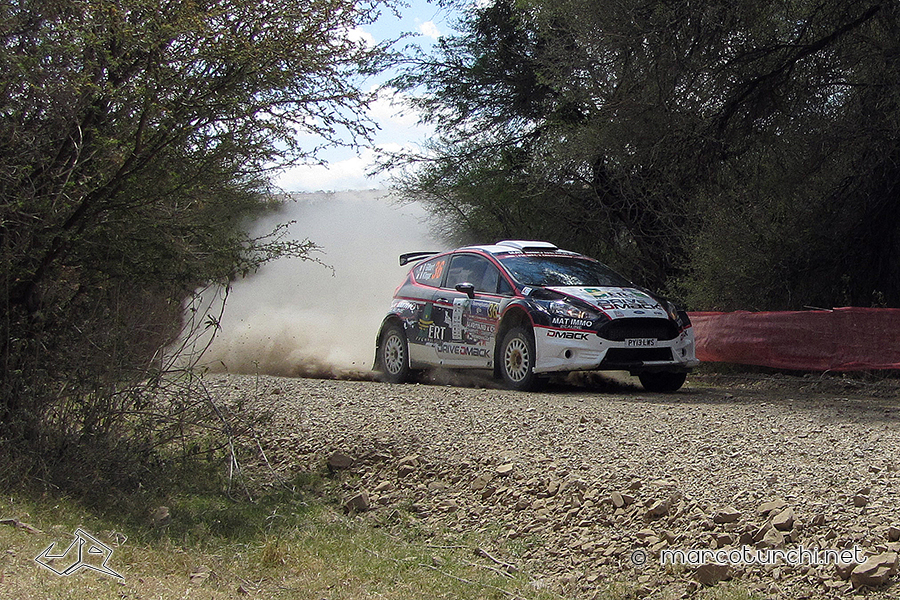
<point>404,305</point>
<point>460,305</point>
<point>615,298</point>
<point>479,327</point>
<point>461,350</point>
<point>571,323</point>
<point>426,320</point>
<point>430,272</point>
<point>485,310</point>
<point>567,335</point>
<point>436,332</point>
<point>493,310</point>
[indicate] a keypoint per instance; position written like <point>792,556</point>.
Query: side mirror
<point>466,288</point>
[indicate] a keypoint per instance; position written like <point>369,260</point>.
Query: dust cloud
<point>299,318</point>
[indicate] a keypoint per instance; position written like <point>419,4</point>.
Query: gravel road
<point>596,482</point>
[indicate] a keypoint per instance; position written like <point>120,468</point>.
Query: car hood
<point>616,302</point>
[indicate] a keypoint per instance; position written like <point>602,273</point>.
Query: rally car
<point>527,310</point>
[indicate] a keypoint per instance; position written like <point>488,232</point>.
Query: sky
<point>346,168</point>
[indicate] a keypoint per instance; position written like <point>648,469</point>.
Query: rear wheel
<point>663,381</point>
<point>393,355</point>
<point>517,357</point>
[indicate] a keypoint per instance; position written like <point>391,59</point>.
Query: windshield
<point>562,271</point>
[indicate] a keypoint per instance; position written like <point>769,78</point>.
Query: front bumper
<point>569,350</point>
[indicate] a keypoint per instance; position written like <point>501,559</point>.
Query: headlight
<point>562,308</point>
<point>671,310</point>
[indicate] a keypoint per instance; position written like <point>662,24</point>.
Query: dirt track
<point>574,483</point>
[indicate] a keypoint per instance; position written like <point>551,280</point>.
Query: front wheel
<point>662,381</point>
<point>393,355</point>
<point>517,357</point>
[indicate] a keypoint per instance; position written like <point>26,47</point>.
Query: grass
<point>291,541</point>
<point>286,544</point>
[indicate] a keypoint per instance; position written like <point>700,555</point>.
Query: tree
<point>546,130</point>
<point>736,154</point>
<point>136,139</point>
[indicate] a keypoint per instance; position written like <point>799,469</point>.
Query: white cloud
<point>389,110</point>
<point>358,34</point>
<point>429,29</point>
<point>340,175</point>
<point>347,174</point>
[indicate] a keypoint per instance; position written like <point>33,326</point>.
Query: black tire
<point>663,381</point>
<point>393,355</point>
<point>516,359</point>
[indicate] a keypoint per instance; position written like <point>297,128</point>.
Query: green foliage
<point>734,154</point>
<point>136,142</point>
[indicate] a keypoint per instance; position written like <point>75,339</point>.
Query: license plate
<point>641,342</point>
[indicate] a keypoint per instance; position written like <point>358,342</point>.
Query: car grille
<point>625,329</point>
<point>622,356</point>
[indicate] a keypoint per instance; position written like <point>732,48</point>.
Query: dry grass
<point>215,550</point>
<point>311,552</point>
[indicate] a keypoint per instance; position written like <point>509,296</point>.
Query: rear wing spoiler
<point>411,256</point>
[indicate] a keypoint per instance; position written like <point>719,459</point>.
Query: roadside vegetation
<point>735,156</point>
<point>137,141</point>
<point>291,541</point>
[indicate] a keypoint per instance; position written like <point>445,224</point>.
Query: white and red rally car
<point>526,310</point>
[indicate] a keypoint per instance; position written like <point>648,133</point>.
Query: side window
<point>431,272</point>
<point>477,270</point>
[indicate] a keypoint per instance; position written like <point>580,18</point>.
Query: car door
<point>471,322</point>
<point>426,325</point>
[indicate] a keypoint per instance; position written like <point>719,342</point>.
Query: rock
<point>875,571</point>
<point>160,516</point>
<point>339,461</point>
<point>480,482</point>
<point>670,536</point>
<point>843,569</point>
<point>201,574</point>
<point>621,500</point>
<point>893,534</point>
<point>384,486</point>
<point>784,520</point>
<point>772,539</point>
<point>728,514</point>
<point>657,510</point>
<point>723,540</point>
<point>358,503</point>
<point>768,507</point>
<point>711,574</point>
<point>411,460</point>
<point>860,500</point>
<point>504,469</point>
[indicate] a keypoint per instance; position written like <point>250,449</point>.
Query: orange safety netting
<point>843,339</point>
